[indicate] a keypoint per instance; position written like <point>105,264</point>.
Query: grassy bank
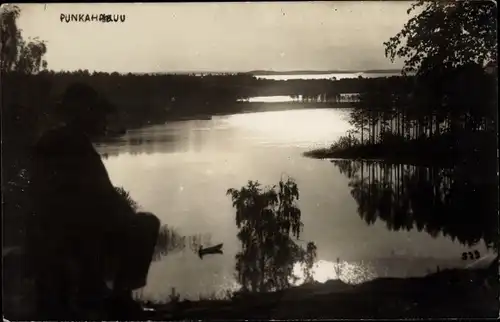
<point>450,293</point>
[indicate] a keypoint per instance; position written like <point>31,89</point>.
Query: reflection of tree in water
<point>151,142</point>
<point>170,240</point>
<point>458,202</point>
<point>269,220</point>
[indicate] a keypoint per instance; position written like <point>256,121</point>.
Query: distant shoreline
<point>271,72</point>
<point>319,72</point>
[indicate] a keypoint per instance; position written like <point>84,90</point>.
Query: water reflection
<point>457,203</point>
<point>171,241</point>
<point>347,272</point>
<point>303,127</point>
<point>184,182</point>
<point>323,98</point>
<point>271,99</point>
<point>175,137</point>
<point>269,220</point>
<point>224,134</point>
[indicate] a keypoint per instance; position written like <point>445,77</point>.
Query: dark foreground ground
<point>448,294</point>
<point>462,293</point>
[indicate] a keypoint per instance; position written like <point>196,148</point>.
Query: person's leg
<point>40,259</point>
<point>92,290</point>
<point>135,258</point>
<point>52,290</point>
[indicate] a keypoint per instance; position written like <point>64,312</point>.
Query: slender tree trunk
<point>362,173</point>
<point>362,130</point>
<point>401,123</point>
<point>370,178</point>
<point>396,116</point>
<point>262,265</point>
<point>372,128</point>
<point>431,124</point>
<point>398,180</point>
<point>392,123</point>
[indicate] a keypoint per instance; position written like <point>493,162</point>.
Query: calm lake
<point>181,171</point>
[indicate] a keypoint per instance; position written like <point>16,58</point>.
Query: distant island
<point>317,72</point>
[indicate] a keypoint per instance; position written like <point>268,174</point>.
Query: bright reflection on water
<point>299,127</point>
<point>342,98</point>
<point>181,171</point>
<point>351,273</point>
<point>270,99</point>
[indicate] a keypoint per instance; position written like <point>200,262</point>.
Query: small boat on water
<point>217,249</point>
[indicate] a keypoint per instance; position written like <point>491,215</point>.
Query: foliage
<point>31,54</point>
<point>268,219</point>
<point>448,44</point>
<point>446,34</point>
<point>10,36</point>
<point>309,259</point>
<point>389,138</point>
<point>345,142</point>
<point>26,57</point>
<point>446,114</point>
<point>23,106</point>
<point>127,198</point>
<point>453,108</point>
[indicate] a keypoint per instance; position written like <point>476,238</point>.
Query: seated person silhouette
<point>82,232</point>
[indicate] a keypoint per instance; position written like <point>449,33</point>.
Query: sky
<point>218,37</point>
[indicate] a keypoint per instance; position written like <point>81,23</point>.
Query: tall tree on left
<point>18,55</point>
<point>25,97</point>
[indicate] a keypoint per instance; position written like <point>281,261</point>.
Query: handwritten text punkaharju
<point>81,17</point>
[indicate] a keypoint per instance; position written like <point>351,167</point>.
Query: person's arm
<point>111,204</point>
<point>44,172</point>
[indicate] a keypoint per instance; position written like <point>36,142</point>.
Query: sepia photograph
<point>249,160</point>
